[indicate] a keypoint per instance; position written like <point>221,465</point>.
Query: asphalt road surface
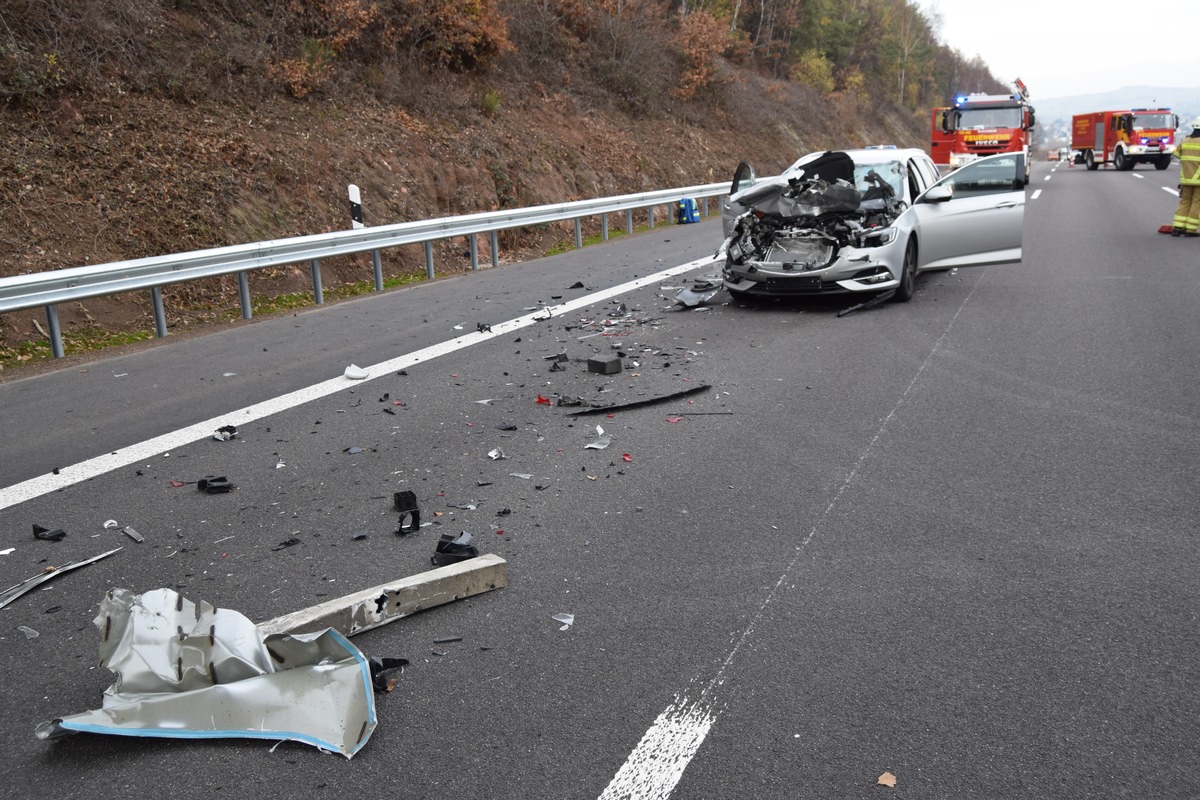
<point>952,540</point>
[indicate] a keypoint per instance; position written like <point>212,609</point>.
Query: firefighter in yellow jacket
<point>1187,216</point>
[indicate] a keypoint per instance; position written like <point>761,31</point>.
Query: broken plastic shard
<point>497,454</point>
<point>486,402</point>
<point>132,534</point>
<point>286,543</point>
<point>567,620</point>
<point>600,443</point>
<point>356,373</point>
<point>544,401</point>
<point>557,357</point>
<point>557,366</point>
<point>522,475</point>
<point>16,590</point>
<point>47,535</point>
<point>353,450</point>
<point>639,403</point>
<point>506,426</point>
<point>699,294</point>
<point>225,433</point>
<point>110,524</point>
<point>213,674</point>
<point>452,549</point>
<point>30,633</point>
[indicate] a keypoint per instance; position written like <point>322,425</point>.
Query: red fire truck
<point>981,125</point>
<point>1124,138</point>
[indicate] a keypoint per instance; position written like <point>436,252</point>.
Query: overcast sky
<point>1067,48</point>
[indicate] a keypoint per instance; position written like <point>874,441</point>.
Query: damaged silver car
<point>868,221</point>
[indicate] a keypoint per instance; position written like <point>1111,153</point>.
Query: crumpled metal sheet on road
<point>212,673</point>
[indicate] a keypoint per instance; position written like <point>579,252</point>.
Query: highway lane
<point>947,539</point>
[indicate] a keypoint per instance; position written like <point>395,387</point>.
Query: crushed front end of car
<point>816,233</point>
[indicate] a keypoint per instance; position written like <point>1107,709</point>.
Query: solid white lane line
<point>1037,193</point>
<point>657,763</point>
<point>85,470</point>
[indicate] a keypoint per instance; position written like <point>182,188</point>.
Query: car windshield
<point>1143,121</point>
<point>892,173</point>
<point>980,118</point>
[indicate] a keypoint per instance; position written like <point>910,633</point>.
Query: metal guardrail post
<point>377,263</point>
<point>578,233</point>
<point>474,241</point>
<point>429,260</point>
<point>629,220</point>
<point>244,295</point>
<point>704,200</point>
<point>56,342</point>
<point>495,239</point>
<point>650,216</point>
<point>160,316</point>
<point>604,227</point>
<point>318,290</point>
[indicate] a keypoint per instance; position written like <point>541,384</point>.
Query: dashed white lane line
<point>1169,190</point>
<point>658,761</point>
<point>1047,177</point>
<point>93,467</point>
<point>1139,177</point>
<point>1037,193</point>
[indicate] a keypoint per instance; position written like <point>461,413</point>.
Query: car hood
<point>820,186</point>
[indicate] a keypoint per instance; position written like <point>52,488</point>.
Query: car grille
<point>802,252</point>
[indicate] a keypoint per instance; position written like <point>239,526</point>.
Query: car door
<point>974,215</point>
<point>743,178</point>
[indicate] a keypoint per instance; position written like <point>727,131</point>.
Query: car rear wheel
<point>908,274</point>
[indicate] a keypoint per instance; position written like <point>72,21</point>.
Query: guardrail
<point>48,289</point>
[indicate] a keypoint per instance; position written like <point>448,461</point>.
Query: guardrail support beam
<point>429,260</point>
<point>474,242</point>
<point>160,316</point>
<point>318,291</point>
<point>650,216</point>
<point>56,342</point>
<point>629,221</point>
<point>495,239</point>
<point>578,233</point>
<point>604,227</point>
<point>244,295</point>
<point>378,265</point>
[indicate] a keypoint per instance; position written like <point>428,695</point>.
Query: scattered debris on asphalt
<point>567,620</point>
<point>876,300</point>
<point>701,292</point>
<point>29,632</point>
<point>132,534</point>
<point>225,433</point>
<point>356,373</point>
<point>649,401</point>
<point>601,442</point>
<point>410,514</point>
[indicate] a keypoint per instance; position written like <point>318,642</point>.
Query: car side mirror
<point>937,194</point>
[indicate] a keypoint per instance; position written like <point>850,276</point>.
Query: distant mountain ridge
<point>1184,101</point>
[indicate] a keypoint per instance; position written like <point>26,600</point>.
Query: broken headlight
<point>879,238</point>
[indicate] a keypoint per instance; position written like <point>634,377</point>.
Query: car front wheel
<point>908,274</point>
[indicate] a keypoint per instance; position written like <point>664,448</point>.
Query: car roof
<point>866,156</point>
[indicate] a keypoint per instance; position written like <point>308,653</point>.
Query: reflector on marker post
<point>356,218</point>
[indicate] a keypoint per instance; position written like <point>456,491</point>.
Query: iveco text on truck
<point>1125,138</point>
<point>980,125</point>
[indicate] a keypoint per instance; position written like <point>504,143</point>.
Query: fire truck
<point>981,125</point>
<point>1124,138</point>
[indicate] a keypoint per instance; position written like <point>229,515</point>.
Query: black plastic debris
<point>506,426</point>
<point>639,403</point>
<point>225,433</point>
<point>382,665</point>
<point>452,549</point>
<point>47,535</point>
<point>286,543</point>
<point>389,410</point>
<point>605,365</point>
<point>877,300</point>
<point>557,367</point>
<point>504,512</point>
<point>214,484</point>
<point>557,357</point>
<point>576,285</point>
<point>410,514</point>
<point>483,327</point>
<point>448,639</point>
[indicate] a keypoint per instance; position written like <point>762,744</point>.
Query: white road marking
<point>658,761</point>
<point>93,467</point>
<point>1046,178</point>
<point>1169,190</point>
<point>1139,177</point>
<point>1037,193</point>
